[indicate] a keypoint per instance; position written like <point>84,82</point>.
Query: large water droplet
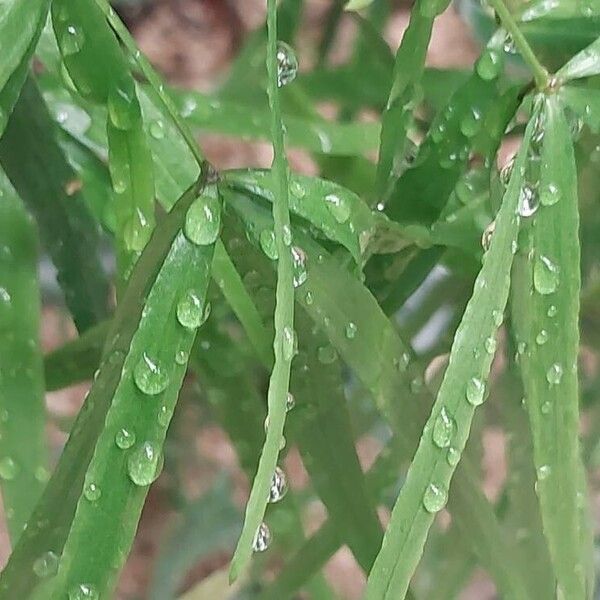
<point>203,219</point>
<point>529,201</point>
<point>475,391</point>
<point>554,374</point>
<point>149,376</point>
<point>190,310</point>
<point>435,498</point>
<point>8,468</point>
<point>262,539</point>
<point>338,207</point>
<point>124,439</point>
<point>279,486</point>
<point>545,275</point>
<point>83,591</point>
<point>46,565</point>
<point>268,243</point>
<point>72,40</point>
<point>489,64</point>
<point>300,274</point>
<point>443,429</point>
<point>287,64</point>
<point>144,464</point>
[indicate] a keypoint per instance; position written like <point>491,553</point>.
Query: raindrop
<point>552,311</point>
<point>490,345</point>
<point>157,129</point>
<point>300,274</point>
<point>453,457</point>
<point>326,354</point>
<point>541,338</point>
<point>475,391</point>
<point>471,122</point>
<point>554,374</point>
<point>529,201</point>
<point>290,402</point>
<point>287,64</point>
<point>509,45</point>
<point>268,243</point>
<point>8,468</point>
<point>297,189</point>
<point>149,377</point>
<point>507,170</point>
<point>546,407</point>
<point>351,330</point>
<point>287,235</point>
<point>279,486</point>
<point>46,565</point>
<point>144,464</point>
<point>190,310</point>
<point>122,104</point>
<point>289,343</point>
<point>401,363</point>
<point>416,385</point>
<point>203,221</point>
<point>443,429</point>
<point>262,539</point>
<point>489,64</point>
<point>83,591</point>
<point>545,275</point>
<point>124,439</point>
<point>550,194</point>
<point>181,357</point>
<point>72,40</point>
<point>309,298</point>
<point>543,472</point>
<point>338,207</point>
<point>498,317</point>
<point>435,498</point>
<point>164,416</point>
<point>92,492</point>
<point>488,234</point>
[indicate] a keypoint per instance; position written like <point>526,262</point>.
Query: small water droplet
<point>268,243</point>
<point>287,235</point>
<point>338,207</point>
<point>290,402</point>
<point>435,498</point>
<point>181,357</point>
<point>8,468</point>
<point>453,457</point>
<point>124,439</point>
<point>309,298</point>
<point>297,189</point>
<point>326,354</point>
<point>46,565</point>
<point>471,122</point>
<point>416,385</point>
<point>149,376</point>
<point>543,472</point>
<point>507,170</point>
<point>72,40</point>
<point>509,45</point>
<point>190,310</point>
<point>287,64</point>
<point>92,492</point>
<point>289,343</point>
<point>475,391</point>
<point>203,219</point>
<point>144,464</point>
<point>552,311</point>
<point>351,330</point>
<point>546,407</point>
<point>541,338</point>
<point>489,64</point>
<point>300,274</point>
<point>83,591</point>
<point>488,234</point>
<point>490,345</point>
<point>262,539</point>
<point>157,129</point>
<point>545,275</point>
<point>498,317</point>
<point>279,486</point>
<point>550,194</point>
<point>443,429</point>
<point>554,374</point>
<point>529,201</point>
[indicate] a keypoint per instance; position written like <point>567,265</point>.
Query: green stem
<point>154,80</point>
<point>539,72</point>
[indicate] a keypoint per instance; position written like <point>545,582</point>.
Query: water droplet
<point>83,591</point>
<point>554,374</point>
<point>124,439</point>
<point>287,235</point>
<point>72,40</point>
<point>401,363</point>
<point>529,201</point>
<point>149,376</point>
<point>137,231</point>
<point>287,64</point>
<point>338,207</point>
<point>190,310</point>
<point>326,354</point>
<point>546,407</point>
<point>300,274</point>
<point>8,468</point>
<point>544,472</point>
<point>279,486</point>
<point>262,539</point>
<point>550,194</point>
<point>489,64</point>
<point>545,275</point>
<point>181,357</point>
<point>203,219</point>
<point>46,565</point>
<point>289,343</point>
<point>552,311</point>
<point>123,107</point>
<point>297,189</point>
<point>416,385</point>
<point>509,45</point>
<point>164,416</point>
<point>309,298</point>
<point>435,498</point>
<point>351,330</point>
<point>144,464</point>
<point>268,243</point>
<point>453,457</point>
<point>157,129</point>
<point>290,402</point>
<point>443,429</point>
<point>541,338</point>
<point>488,234</point>
<point>490,345</point>
<point>475,391</point>
<point>92,492</point>
<point>507,170</point>
<point>42,474</point>
<point>471,122</point>
<point>498,317</point>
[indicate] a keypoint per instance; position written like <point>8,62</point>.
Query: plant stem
<point>539,71</point>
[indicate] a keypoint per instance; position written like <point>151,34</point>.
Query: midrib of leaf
<point>553,407</point>
<point>410,521</point>
<point>284,316</point>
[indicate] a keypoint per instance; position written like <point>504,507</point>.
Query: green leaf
<point>425,490</point>
<point>23,454</point>
<point>584,64</point>
<point>547,281</point>
<point>37,167</point>
<point>283,345</point>
<point>72,511</point>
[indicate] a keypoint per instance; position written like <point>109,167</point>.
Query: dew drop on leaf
<point>46,565</point>
<point>268,243</point>
<point>122,104</point>
<point>543,472</point>
<point>338,207</point>
<point>181,357</point>
<point>471,122</point>
<point>490,345</point>
<point>149,376</point>
<point>279,486</point>
<point>453,456</point>
<point>290,402</point>
<point>435,498</point>
<point>8,468</point>
<point>552,311</point>
<point>72,40</point>
<point>554,374</point>
<point>300,274</point>
<point>475,391</point>
<point>157,129</point>
<point>262,538</point>
<point>351,330</point>
<point>144,464</point>
<point>92,492</point>
<point>326,354</point>
<point>287,64</point>
<point>443,429</point>
<point>83,591</point>
<point>164,416</point>
<point>289,343</point>
<point>541,338</point>
<point>489,64</point>
<point>203,220</point>
<point>190,310</point>
<point>124,439</point>
<point>529,201</point>
<point>550,194</point>
<point>488,234</point>
<point>545,275</point>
